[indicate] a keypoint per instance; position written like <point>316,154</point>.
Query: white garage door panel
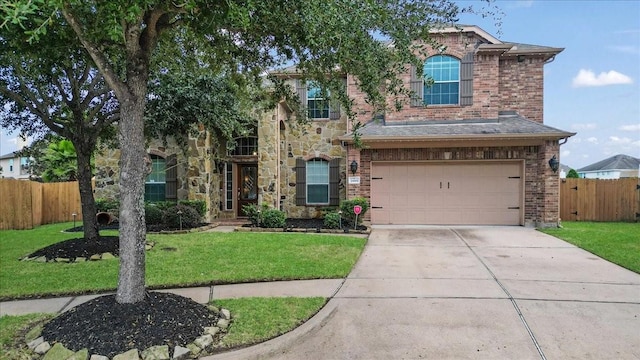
<point>488,193</point>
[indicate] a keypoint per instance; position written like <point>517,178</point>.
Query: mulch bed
<point>79,248</point>
<point>108,328</point>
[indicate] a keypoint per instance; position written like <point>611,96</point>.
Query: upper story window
<point>317,104</point>
<point>451,78</point>
<point>445,72</point>
<point>317,101</point>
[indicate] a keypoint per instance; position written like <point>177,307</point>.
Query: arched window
<point>317,181</point>
<point>246,146</point>
<point>444,71</point>
<point>156,182</point>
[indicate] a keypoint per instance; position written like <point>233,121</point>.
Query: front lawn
<point>254,320</point>
<point>614,241</point>
<point>179,260</point>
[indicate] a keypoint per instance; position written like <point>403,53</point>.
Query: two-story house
<point>12,165</point>
<point>468,147</point>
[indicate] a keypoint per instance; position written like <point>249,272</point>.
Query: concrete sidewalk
<point>299,288</point>
<point>470,292</point>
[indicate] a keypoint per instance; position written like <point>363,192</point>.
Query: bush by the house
<point>347,209</point>
<point>108,205</point>
<point>173,216</point>
<point>332,220</point>
<point>273,218</point>
<point>253,213</point>
<point>264,216</point>
<point>152,214</point>
<point>199,205</point>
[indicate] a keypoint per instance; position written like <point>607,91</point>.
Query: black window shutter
<point>334,106</point>
<point>334,182</point>
<point>301,90</point>
<point>417,87</point>
<point>466,80</point>
<point>301,182</point>
<point>171,179</point>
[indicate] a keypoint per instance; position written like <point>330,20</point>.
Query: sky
<point>591,88</point>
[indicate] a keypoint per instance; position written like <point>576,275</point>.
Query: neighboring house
<point>14,166</point>
<point>564,171</point>
<point>470,149</point>
<point>615,167</point>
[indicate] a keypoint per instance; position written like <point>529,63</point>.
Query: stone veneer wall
<point>541,199</point>
<point>280,134</point>
<point>195,176</point>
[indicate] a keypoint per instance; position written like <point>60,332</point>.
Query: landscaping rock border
<point>201,346</point>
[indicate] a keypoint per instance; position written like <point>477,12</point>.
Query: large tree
<point>321,37</point>
<point>54,88</point>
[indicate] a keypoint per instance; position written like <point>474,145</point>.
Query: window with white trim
<point>317,181</point>
<point>444,70</point>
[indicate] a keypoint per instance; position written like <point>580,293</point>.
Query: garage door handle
<point>440,184</point>
<point>376,207</point>
<point>447,185</point>
<point>376,178</point>
<point>513,207</point>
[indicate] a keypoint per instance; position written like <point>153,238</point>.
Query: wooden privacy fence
<point>600,200</point>
<point>27,204</point>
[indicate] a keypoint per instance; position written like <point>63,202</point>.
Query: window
<point>155,185</point>
<point>10,165</point>
<point>317,104</point>
<point>228,179</point>
<point>317,181</point>
<point>445,72</point>
<point>246,146</point>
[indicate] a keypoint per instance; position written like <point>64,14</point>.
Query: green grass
<point>254,320</point>
<point>260,319</point>
<point>198,259</point>
<point>614,241</point>
<point>12,332</point>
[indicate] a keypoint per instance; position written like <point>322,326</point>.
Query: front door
<point>247,186</point>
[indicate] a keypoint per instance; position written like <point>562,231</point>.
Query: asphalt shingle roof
<point>501,127</point>
<point>616,162</point>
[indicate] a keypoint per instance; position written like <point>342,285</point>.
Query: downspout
<point>276,204</point>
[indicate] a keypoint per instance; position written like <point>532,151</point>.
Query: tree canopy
<point>246,37</point>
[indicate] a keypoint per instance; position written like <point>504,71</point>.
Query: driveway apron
<point>470,292</point>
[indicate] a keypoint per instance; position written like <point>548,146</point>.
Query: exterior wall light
<point>353,167</point>
<point>554,164</point>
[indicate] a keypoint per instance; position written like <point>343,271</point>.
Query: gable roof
<point>508,126</point>
<point>10,155</point>
<point>616,162</point>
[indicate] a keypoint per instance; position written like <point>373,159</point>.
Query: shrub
<point>253,213</point>
<point>332,220</point>
<point>273,218</point>
<point>199,205</point>
<point>110,206</point>
<point>572,174</point>
<point>189,216</point>
<point>347,209</point>
<point>152,214</point>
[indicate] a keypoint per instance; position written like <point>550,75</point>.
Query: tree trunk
<point>131,279</point>
<point>89,221</point>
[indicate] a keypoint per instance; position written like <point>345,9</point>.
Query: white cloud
<point>583,126</point>
<point>565,153</point>
<point>634,127</point>
<point>615,140</point>
<point>586,78</point>
<point>592,140</point>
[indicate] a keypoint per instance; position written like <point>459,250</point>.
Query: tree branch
<point>98,57</point>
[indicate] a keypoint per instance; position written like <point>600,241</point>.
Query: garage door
<point>478,193</point>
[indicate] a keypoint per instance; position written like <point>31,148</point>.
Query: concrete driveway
<point>470,292</point>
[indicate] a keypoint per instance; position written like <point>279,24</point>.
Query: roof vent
<point>507,113</point>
